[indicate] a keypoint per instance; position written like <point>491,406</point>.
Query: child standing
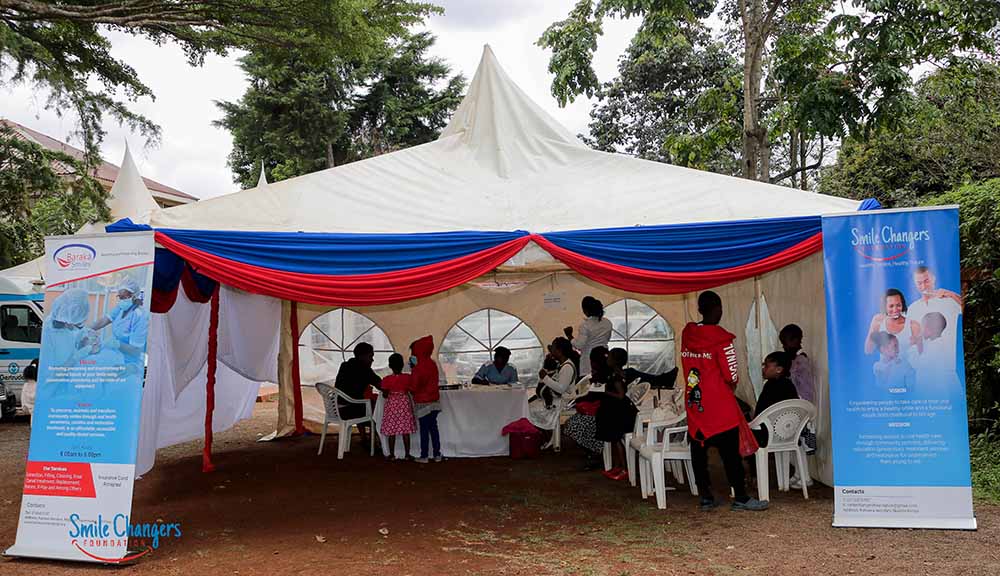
<point>397,413</point>
<point>426,396</point>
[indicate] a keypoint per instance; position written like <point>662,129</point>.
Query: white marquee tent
<point>501,164</point>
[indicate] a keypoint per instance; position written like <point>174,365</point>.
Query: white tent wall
<point>794,295</point>
<point>174,394</point>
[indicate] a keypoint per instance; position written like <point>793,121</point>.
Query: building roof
<point>106,172</point>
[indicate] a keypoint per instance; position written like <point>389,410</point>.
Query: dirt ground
<point>278,508</point>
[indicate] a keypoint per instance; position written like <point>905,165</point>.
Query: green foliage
<point>828,71</point>
<point>35,201</point>
<point>979,228</point>
<point>676,99</point>
<point>948,133</point>
<point>984,449</point>
<point>300,117</point>
<point>62,47</point>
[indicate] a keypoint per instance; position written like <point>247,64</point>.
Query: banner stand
<point>897,374</point>
<point>85,427</point>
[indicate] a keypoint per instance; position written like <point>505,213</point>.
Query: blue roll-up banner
<point>85,425</point>
<point>897,374</point>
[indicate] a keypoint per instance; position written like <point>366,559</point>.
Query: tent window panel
<point>471,341</point>
<point>329,341</point>
<point>647,336</point>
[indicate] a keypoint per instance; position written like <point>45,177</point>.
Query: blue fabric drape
<point>333,254</point>
<point>689,247</point>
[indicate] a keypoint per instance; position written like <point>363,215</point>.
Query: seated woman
<point>778,387</point>
<point>615,417</point>
<point>543,409</point>
<point>582,426</point>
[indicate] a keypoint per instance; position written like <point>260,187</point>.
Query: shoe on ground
<point>422,460</point>
<point>621,475</point>
<point>707,504</point>
<point>439,458</point>
<point>612,474</point>
<point>795,483</point>
<point>751,504</point>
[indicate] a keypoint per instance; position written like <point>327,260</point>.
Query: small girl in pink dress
<point>397,413</point>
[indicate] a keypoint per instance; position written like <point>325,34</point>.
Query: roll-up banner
<point>85,426</point>
<point>897,374</point>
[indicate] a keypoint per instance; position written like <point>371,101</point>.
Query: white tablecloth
<point>470,422</point>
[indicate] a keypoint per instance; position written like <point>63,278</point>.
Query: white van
<point>21,301</point>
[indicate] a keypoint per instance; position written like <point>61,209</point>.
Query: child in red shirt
<point>708,356</point>
<point>397,413</point>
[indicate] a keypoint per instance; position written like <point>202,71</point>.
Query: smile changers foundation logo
<point>96,538</point>
<point>886,243</point>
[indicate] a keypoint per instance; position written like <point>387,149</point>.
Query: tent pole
<point>213,351</point>
<point>296,379</point>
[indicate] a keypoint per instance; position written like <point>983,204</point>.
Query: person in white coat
<point>594,331</point>
<point>554,388</point>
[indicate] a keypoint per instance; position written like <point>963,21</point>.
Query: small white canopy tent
<point>128,198</point>
<point>502,164</point>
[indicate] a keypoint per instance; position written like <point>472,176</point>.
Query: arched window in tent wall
<point>646,335</point>
<point>471,341</point>
<point>329,341</point>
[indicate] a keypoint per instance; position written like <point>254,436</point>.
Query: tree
<point>979,227</point>
<point>859,59</point>
<point>62,45</point>
<point>947,133</point>
<point>299,117</point>
<point>676,100</point>
<point>35,201</point>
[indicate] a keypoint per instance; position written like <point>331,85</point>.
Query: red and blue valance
<point>372,269</point>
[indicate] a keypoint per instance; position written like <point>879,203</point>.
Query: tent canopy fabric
<point>502,164</point>
<point>429,218</point>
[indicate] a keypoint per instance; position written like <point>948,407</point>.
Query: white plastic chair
<point>654,456</point>
<point>637,439</point>
<point>784,423</point>
<point>330,396</point>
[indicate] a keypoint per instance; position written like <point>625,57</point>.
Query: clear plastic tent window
<point>329,341</point>
<point>471,341</point>
<point>642,332</point>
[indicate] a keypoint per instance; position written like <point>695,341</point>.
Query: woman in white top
<point>893,320</point>
<point>555,389</point>
<point>594,331</point>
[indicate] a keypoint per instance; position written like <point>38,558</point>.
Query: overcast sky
<point>192,153</point>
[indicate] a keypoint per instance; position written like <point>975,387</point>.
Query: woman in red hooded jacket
<point>426,396</point>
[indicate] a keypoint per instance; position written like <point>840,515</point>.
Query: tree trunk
<point>755,32</point>
<point>793,152</point>
<point>330,162</point>
<point>803,158</point>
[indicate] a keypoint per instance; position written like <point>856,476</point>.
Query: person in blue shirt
<point>129,323</point>
<point>499,371</point>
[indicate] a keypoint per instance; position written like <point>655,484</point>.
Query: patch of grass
<point>985,456</point>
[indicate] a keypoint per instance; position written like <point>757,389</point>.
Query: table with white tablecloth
<point>470,421</point>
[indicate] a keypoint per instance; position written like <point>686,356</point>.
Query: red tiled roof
<point>106,171</point>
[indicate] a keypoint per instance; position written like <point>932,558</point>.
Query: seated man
<point>355,377</point>
<point>499,371</point>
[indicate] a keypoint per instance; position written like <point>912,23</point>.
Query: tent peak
<point>129,197</point>
<point>504,129</point>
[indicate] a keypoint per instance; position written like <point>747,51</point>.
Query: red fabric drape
<point>357,290</point>
<point>213,352</point>
<point>651,282</point>
<point>296,380</point>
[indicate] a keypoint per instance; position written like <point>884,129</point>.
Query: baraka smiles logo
<point>74,257</point>
<point>883,244</point>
